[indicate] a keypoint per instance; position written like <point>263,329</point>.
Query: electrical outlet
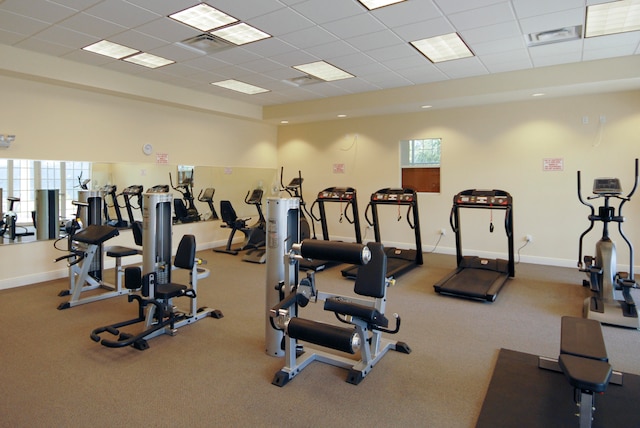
<point>528,238</point>
<point>443,231</point>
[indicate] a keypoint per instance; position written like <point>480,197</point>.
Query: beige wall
<point>499,146</point>
<point>57,122</point>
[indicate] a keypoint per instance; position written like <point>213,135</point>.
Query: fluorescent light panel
<point>203,17</point>
<point>443,48</point>
<point>612,18</point>
<point>236,85</point>
<point>375,4</point>
<point>148,60</point>
<point>240,34</point>
<point>110,49</point>
<point>323,70</point>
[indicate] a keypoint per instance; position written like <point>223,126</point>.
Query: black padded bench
<point>583,360</point>
<point>583,355</point>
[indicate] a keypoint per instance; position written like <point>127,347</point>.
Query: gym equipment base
<point>611,312</point>
<point>357,371</point>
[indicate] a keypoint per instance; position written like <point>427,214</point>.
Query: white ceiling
<point>373,46</point>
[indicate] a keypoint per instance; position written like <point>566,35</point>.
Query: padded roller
<point>357,254</point>
<point>329,336</point>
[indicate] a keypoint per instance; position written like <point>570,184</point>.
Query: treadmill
<point>341,195</point>
<point>475,277</point>
<point>399,261</point>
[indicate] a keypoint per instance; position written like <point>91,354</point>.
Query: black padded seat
<point>185,259</point>
<point>169,291</point>
<point>119,251</point>
<point>583,338</point>
<point>585,374</point>
<point>95,234</point>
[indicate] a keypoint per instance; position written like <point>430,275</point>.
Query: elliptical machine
<point>612,303</point>
<point>185,209</point>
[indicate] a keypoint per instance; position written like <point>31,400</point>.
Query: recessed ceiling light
<point>443,48</point>
<point>203,17</point>
<point>538,94</point>
<point>342,115</point>
<point>284,122</point>
<point>426,106</point>
<point>240,34</point>
<point>323,70</point>
<point>375,4</point>
<point>614,17</point>
<point>110,49</point>
<point>236,85</point>
<point>148,60</point>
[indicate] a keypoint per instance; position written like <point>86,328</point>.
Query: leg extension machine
<point>363,313</point>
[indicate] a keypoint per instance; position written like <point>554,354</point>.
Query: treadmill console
<point>607,186</point>
<point>483,198</point>
<point>399,196</point>
<point>337,194</point>
<point>134,190</point>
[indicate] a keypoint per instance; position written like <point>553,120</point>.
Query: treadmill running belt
<point>474,283</point>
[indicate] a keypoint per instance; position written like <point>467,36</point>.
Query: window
<point>21,178</point>
<point>420,164</point>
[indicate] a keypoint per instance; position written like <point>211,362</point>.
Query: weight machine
<point>9,220</point>
<point>363,312</point>
<point>157,311</point>
<point>85,260</point>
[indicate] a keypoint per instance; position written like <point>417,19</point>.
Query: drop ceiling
<point>374,46</point>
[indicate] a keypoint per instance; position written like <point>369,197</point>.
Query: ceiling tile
<point>329,10</point>
<point>553,21</point>
<point>426,29</point>
<point>309,37</point>
<point>281,22</point>
<point>122,13</point>
<point>482,17</point>
<point>92,26</point>
<point>453,6</point>
<point>354,26</point>
<point>407,12</point>
<point>528,8</point>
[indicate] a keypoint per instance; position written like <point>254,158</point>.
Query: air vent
<point>303,80</point>
<point>564,34</point>
<point>206,43</point>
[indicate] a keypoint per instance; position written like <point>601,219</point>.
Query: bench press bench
<point>583,360</point>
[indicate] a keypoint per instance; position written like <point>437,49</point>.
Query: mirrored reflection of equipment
<point>206,195</point>
<point>185,208</point>
<point>110,191</point>
<point>362,313</point>
<point>612,302</point>
<point>346,198</point>
<point>477,277</point>
<point>158,310</point>
<point>254,235</point>
<point>399,260</point>
<point>131,194</point>
<point>294,190</point>
<point>94,213</point>
<point>10,229</point>
<point>85,260</point>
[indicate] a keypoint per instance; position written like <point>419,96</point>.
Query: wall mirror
<point>201,188</point>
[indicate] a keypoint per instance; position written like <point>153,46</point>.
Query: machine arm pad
<point>345,307</point>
